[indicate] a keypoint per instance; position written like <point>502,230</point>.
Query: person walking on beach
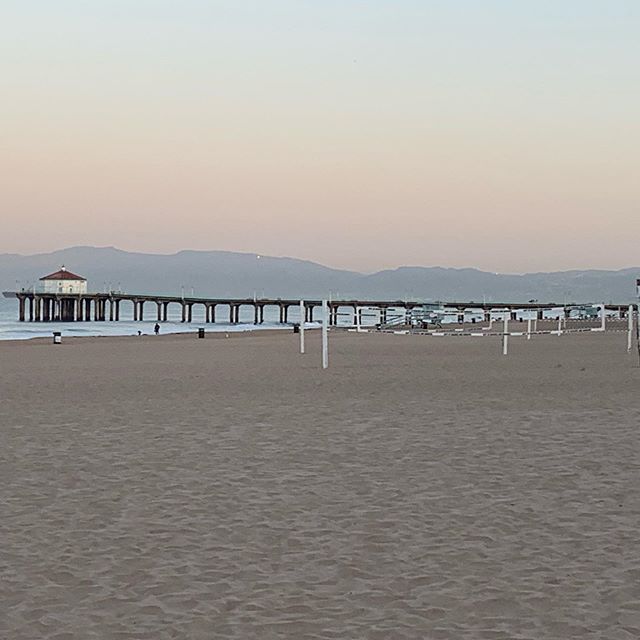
<point>156,329</point>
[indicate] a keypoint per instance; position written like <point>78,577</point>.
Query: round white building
<point>63,281</point>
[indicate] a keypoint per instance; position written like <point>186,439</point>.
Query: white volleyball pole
<point>603,320</point>
<point>630,328</point>
<point>303,317</point>
<point>529,327</point>
<point>560,324</point>
<point>325,334</point>
<point>638,319</point>
<point>505,336</point>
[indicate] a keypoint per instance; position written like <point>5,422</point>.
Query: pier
<point>106,307</point>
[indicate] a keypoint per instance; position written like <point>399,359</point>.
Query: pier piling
<point>92,307</point>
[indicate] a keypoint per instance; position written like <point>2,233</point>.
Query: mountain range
<point>229,274</point>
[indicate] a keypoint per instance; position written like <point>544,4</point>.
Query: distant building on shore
<point>63,281</point>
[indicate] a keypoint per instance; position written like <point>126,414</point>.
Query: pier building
<point>63,282</point>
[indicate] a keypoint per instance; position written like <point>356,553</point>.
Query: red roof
<point>63,274</point>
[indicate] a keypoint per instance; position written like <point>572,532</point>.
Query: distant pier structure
<point>63,297</point>
<point>101,307</point>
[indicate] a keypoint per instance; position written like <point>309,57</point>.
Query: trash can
<point>201,332</point>
<point>57,337</point>
<point>296,328</point>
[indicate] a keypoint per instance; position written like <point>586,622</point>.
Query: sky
<point>362,134</point>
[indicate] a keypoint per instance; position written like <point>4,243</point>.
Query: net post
<point>505,336</point>
<point>325,335</point>
<point>303,317</point>
<point>638,319</point>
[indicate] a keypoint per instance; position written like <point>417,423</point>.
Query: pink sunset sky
<point>363,135</point>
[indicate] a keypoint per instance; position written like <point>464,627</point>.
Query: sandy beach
<point>165,488</point>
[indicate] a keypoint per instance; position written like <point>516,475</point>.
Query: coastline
<point>186,335</point>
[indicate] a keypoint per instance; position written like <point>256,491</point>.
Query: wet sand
<point>157,488</point>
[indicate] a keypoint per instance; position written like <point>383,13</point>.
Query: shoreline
<point>84,330</point>
<point>516,328</point>
<point>178,335</point>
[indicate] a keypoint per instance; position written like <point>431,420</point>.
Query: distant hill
<point>223,273</point>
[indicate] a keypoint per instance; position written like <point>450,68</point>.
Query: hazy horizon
<point>500,136</point>
<point>324,264</point>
